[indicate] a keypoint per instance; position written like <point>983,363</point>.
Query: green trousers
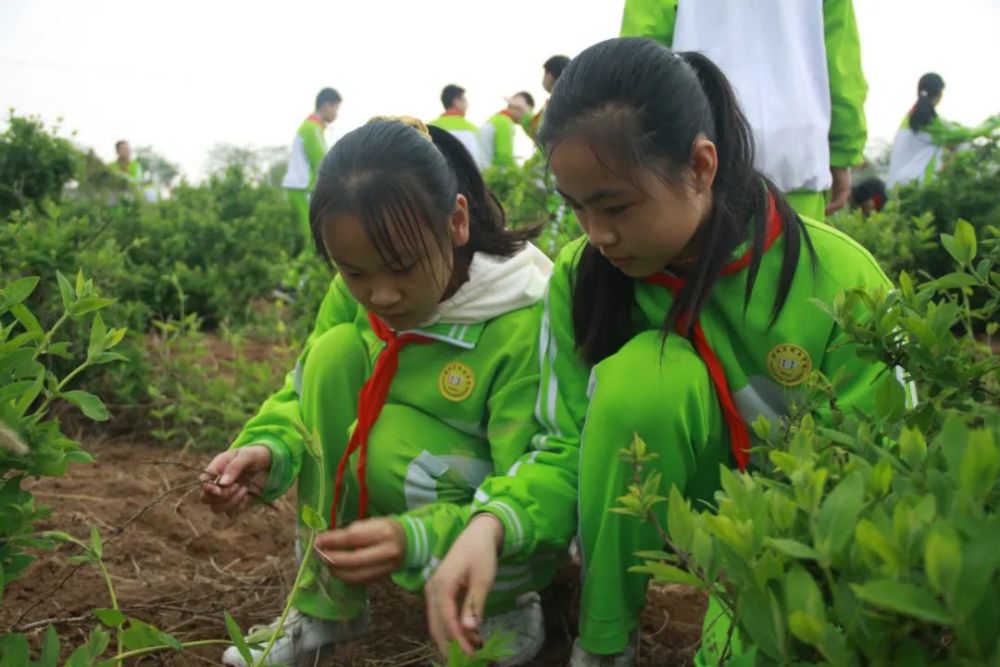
<point>808,203</point>
<point>661,391</point>
<point>299,201</point>
<point>418,466</point>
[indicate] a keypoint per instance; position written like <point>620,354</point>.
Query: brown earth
<point>177,566</point>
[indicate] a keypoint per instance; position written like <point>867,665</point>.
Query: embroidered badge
<point>789,364</point>
<point>456,381</point>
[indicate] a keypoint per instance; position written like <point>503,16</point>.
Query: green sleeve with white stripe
<point>536,500</point>
<point>654,19</point>
<point>274,424</point>
<point>314,144</point>
<point>947,133</point>
<point>848,88</point>
<point>510,427</point>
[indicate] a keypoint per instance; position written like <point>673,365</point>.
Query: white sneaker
<point>304,638</point>
<point>584,658</point>
<point>525,626</point>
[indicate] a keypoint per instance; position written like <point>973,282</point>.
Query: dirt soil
<point>178,566</point>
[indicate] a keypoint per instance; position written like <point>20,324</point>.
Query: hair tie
<point>412,121</point>
<point>923,93</point>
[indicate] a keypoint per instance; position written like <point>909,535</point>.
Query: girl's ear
<point>704,164</point>
<point>459,222</point>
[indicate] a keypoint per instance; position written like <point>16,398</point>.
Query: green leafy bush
<point>866,539</point>
<point>31,443</point>
<point>34,164</point>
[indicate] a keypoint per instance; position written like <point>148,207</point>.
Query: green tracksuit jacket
<point>916,156</point>
<point>573,474</point>
<point>458,411</point>
<point>496,137</point>
<point>308,151</point>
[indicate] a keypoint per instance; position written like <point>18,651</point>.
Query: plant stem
<point>165,647</point>
<point>40,412</point>
<point>111,594</point>
<point>306,557</point>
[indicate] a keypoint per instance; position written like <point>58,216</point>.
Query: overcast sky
<point>183,75</point>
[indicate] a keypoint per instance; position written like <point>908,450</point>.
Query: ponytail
<point>488,231</point>
<point>928,88</point>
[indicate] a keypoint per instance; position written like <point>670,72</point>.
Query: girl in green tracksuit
<point>419,382</point>
<point>684,314</point>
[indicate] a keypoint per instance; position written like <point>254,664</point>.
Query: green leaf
<point>95,542</point>
<point>912,447</point>
<point>311,518</point>
<point>112,618</point>
<point>27,319</point>
<point>870,537</point>
<point>902,598</point>
<point>965,242</point>
<point>803,594</point>
<point>89,304</point>
<point>806,627</point>
<point>97,333</point>
<point>30,394</point>
<point>49,654</point>
<point>65,290</point>
<point>97,642</point>
<point>15,652</point>
<point>954,281</point>
<point>17,291</point>
<point>91,405</point>
<point>680,523</point>
<point>793,548</point>
<point>107,357</point>
<point>79,658</point>
<point>943,559</point>
<point>890,400</point>
<point>980,464</point>
<point>839,513</point>
<point>236,636</point>
<point>667,574</point>
<point>140,635</point>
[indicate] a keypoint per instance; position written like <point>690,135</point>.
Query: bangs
<point>396,216</point>
<point>614,133</point>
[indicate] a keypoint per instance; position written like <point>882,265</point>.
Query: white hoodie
<point>496,285</point>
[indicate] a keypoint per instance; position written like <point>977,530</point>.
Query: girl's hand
<point>234,478</point>
<point>365,551</point>
<point>840,191</point>
<point>461,584</point>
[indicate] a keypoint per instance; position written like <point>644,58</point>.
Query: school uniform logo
<point>456,381</point>
<point>789,364</point>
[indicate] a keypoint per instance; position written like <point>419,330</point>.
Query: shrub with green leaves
<point>865,539</point>
<point>35,163</point>
<point>31,443</point>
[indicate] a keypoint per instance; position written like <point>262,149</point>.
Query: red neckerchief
<point>453,112</point>
<point>508,114</point>
<point>316,118</point>
<point>738,433</point>
<point>371,399</point>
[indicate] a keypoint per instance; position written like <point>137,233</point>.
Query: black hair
<point>527,97</point>
<point>119,143</point>
<point>396,182</point>
<point>327,96</point>
<point>928,88</point>
<point>451,93</point>
<point>641,106</point>
<point>870,188</point>
<point>555,66</point>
